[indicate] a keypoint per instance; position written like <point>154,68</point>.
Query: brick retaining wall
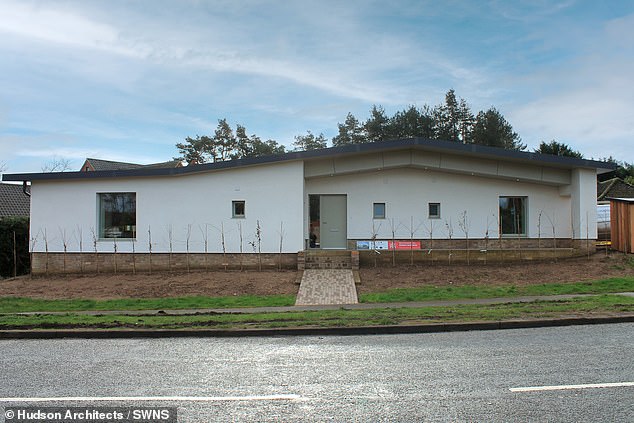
<point>443,251</point>
<point>127,262</point>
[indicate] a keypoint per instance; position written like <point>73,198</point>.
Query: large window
<point>513,215</point>
<point>117,215</point>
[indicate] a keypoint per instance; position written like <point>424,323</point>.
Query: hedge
<point>20,227</point>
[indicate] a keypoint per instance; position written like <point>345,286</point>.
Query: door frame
<point>343,220</point>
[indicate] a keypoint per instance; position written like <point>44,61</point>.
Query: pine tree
<point>350,132</point>
<point>493,130</point>
<point>310,142</point>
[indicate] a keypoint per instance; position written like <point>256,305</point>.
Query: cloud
<point>589,101</point>
<point>60,26</point>
<point>332,51</point>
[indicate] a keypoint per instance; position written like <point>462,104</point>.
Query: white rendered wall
<point>273,195</point>
<point>407,192</point>
<point>584,201</point>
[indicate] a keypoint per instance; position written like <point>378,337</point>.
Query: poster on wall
<point>388,245</point>
<point>372,245</point>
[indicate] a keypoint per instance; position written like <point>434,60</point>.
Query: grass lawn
<point>20,304</point>
<point>330,318</point>
<point>428,293</point>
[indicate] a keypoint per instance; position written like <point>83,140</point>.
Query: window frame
<point>131,233</point>
<point>429,214</point>
<point>374,214</point>
<point>235,203</point>
<point>523,231</point>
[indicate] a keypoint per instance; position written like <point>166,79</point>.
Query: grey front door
<point>332,221</point>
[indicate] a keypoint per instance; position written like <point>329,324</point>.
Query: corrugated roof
<point>614,188</point>
<point>99,165</point>
<point>13,201</point>
<point>624,200</point>
<point>105,165</point>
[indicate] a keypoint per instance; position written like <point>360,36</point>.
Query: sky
<point>127,80</point>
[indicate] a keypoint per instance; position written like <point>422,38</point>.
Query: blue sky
<point>126,81</point>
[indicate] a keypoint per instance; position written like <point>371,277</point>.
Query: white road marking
<point>288,397</point>
<point>566,387</point>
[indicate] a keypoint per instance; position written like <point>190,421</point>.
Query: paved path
<point>327,286</point>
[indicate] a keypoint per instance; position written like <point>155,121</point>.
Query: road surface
<point>462,376</point>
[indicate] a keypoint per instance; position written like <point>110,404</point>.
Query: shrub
<point>19,226</point>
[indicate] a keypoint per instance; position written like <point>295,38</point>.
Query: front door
<point>332,221</point>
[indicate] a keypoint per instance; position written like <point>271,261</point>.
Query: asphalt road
<point>464,376</point>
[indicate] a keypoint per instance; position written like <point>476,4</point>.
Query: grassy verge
<point>428,293</point>
<point>19,304</point>
<point>330,318</point>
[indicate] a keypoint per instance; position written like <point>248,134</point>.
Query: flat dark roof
<point>449,147</point>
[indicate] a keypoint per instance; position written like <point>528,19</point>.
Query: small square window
<point>238,208</point>
<point>379,210</point>
<point>434,210</point>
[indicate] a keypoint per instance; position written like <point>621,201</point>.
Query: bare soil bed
<point>598,266</point>
<point>285,282</point>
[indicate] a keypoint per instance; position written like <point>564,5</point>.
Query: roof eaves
<point>419,143</point>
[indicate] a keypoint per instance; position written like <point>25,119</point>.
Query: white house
<point>334,198</point>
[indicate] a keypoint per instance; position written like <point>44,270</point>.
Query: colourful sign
<point>388,245</point>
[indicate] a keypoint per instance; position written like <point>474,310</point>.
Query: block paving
<point>327,286</point>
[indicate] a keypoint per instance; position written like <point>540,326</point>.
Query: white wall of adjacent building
<point>273,194</point>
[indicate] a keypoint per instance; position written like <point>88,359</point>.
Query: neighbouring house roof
<point>96,165</point>
<point>13,201</point>
<point>417,144</point>
<point>622,200</point>
<point>614,188</point>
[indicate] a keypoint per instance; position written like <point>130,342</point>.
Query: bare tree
<point>241,242</point>
<point>412,232</point>
<point>464,225</point>
<point>46,252</point>
<point>258,238</point>
<point>170,236</point>
<point>224,247</point>
<point>149,246</point>
<point>393,229</point>
<point>94,246</point>
<point>486,238</point>
<point>33,243</point>
<point>56,164</point>
<point>114,256</point>
<point>449,227</point>
<point>3,166</point>
<point>133,256</point>
<point>375,233</point>
<point>205,235</point>
<point>539,229</point>
<point>80,240</point>
<point>189,234</point>
<point>281,232</point>
<point>62,232</point>
<point>256,244</point>
<point>553,226</point>
<point>430,230</point>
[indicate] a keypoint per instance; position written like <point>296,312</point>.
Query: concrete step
<point>328,259</point>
